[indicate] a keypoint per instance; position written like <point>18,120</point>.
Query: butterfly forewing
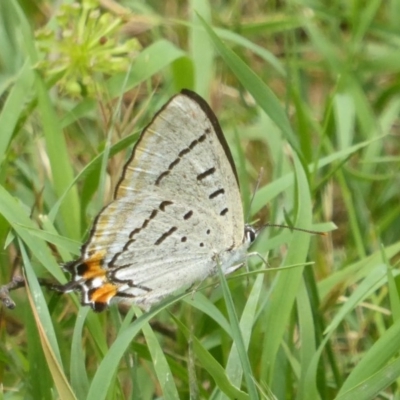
<point>183,151</point>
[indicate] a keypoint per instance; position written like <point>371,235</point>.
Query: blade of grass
<point>203,304</point>
<point>109,364</point>
<point>355,272</point>
<point>266,55</point>
<point>201,50</point>
<point>17,217</point>
<point>262,94</point>
<point>394,295</point>
<point>286,285</point>
<point>14,106</point>
<point>78,374</point>
<point>238,339</point>
<point>234,369</point>
<point>46,331</point>
<point>373,361</point>
<point>212,366</point>
<point>61,168</point>
<point>268,192</point>
<point>25,30</point>
<point>307,334</point>
<point>161,367</point>
<point>41,311</point>
<point>72,246</point>
<point>152,60</point>
<point>373,281</point>
<point>90,167</point>
<point>372,387</point>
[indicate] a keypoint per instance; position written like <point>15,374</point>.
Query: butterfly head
<point>250,234</point>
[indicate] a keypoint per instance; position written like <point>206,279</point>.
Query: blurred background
<point>305,91</point>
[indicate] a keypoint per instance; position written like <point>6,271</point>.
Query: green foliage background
<point>307,90</point>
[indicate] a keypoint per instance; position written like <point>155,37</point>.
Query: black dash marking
<point>214,125</point>
<point>144,225</point>
<point>188,214</point>
<point>132,285</point>
<point>216,193</point>
<point>174,163</point>
<point>205,174</point>
<point>112,276</point>
<point>195,142</point>
<point>201,244</point>
<point>183,152</point>
<point>128,243</point>
<point>208,231</point>
<point>183,239</point>
<point>165,235</point>
<point>208,130</point>
<point>116,255</point>
<point>165,204</point>
<point>153,214</point>
<point>134,232</point>
<point>161,176</point>
<point>224,211</point>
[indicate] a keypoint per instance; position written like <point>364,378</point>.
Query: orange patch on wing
<point>93,266</point>
<point>103,294</point>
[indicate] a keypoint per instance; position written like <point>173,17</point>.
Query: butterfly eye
<point>249,234</point>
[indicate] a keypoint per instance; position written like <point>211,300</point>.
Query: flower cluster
<point>83,48</point>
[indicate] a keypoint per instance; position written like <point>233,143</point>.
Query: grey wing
<point>177,207</point>
<point>154,246</point>
<point>183,153</point>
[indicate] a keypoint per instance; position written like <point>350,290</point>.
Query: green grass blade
<point>287,282</point>
<point>162,369</point>
<point>260,51</point>
<point>40,305</point>
<point>78,373</point>
<point>213,367</point>
<point>149,62</point>
<point>238,338</point>
<point>234,369</point>
<point>203,304</point>
<point>307,334</point>
<point>17,217</point>
<point>372,387</point>
<point>375,359</point>
<point>262,94</point>
<point>46,331</point>
<point>14,106</point>
<point>108,367</point>
<point>201,49</point>
<point>61,169</point>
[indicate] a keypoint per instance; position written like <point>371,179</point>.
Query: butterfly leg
<point>55,287</point>
<point>255,253</point>
<point>195,287</point>
<point>234,268</point>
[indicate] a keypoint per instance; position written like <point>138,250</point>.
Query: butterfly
<point>176,216</point>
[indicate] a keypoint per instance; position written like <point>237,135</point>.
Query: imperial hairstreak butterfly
<point>176,215</point>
